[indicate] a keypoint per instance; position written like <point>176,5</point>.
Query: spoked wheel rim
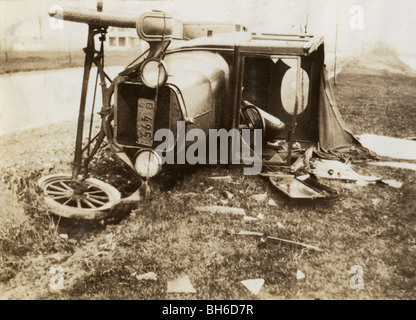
<point>93,199</point>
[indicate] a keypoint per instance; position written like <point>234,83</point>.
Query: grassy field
<point>371,226</point>
<point>49,60</point>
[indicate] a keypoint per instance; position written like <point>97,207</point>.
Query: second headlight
<point>154,73</point>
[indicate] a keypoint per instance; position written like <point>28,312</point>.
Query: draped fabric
<point>335,138</point>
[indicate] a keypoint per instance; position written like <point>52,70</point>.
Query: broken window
<point>270,83</point>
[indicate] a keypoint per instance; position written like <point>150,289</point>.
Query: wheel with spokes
<point>90,199</point>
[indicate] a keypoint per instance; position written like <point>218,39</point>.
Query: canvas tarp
<point>335,138</point>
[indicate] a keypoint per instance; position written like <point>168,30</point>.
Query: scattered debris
<point>299,163</point>
<point>147,276</point>
<point>260,216</point>
<point>272,203</point>
<point>303,177</point>
<point>219,209</point>
<point>281,226</point>
<point>400,165</point>
<point>393,183</point>
<point>362,183</point>
<point>296,146</point>
<point>226,179</point>
<point>181,285</point>
<point>332,169</point>
<point>253,285</point>
<point>228,195</point>
<point>259,197</point>
<point>303,161</point>
<point>276,160</point>
<point>63,236</point>
<point>317,186</point>
<point>248,219</point>
<point>308,157</point>
<point>224,202</point>
<point>294,188</point>
<point>265,238</point>
<point>300,275</point>
<point>376,202</point>
<point>209,189</point>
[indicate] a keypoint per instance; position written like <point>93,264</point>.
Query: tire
<point>94,204</point>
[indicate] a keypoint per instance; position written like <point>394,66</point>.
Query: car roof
<point>269,43</point>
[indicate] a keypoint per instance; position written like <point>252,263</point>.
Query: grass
<point>49,60</point>
<point>378,104</point>
<point>371,226</point>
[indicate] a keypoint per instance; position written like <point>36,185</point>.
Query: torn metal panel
<point>294,188</point>
<point>393,183</point>
<point>317,186</point>
<point>332,169</point>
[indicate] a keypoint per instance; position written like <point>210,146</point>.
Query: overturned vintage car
<point>269,90</point>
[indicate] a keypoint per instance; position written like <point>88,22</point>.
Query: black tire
<point>94,204</point>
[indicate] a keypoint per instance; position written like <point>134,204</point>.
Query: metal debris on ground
<point>294,188</point>
<point>333,169</point>
<point>181,285</point>
<point>147,276</point>
<point>220,209</point>
<point>303,177</point>
<point>317,186</point>
<point>249,219</point>
<point>300,275</point>
<point>265,238</point>
<point>298,164</point>
<point>362,183</point>
<point>277,159</point>
<point>376,202</point>
<point>272,203</point>
<point>393,183</point>
<point>259,197</point>
<point>226,179</point>
<point>253,285</point>
<point>228,195</point>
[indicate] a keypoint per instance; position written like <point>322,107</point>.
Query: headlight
<point>154,73</point>
<point>148,163</point>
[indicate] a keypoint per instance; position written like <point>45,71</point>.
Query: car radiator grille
<point>130,122</point>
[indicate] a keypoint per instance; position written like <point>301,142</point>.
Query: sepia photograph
<point>200,150</point>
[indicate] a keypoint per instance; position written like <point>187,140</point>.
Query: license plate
<point>145,121</point>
